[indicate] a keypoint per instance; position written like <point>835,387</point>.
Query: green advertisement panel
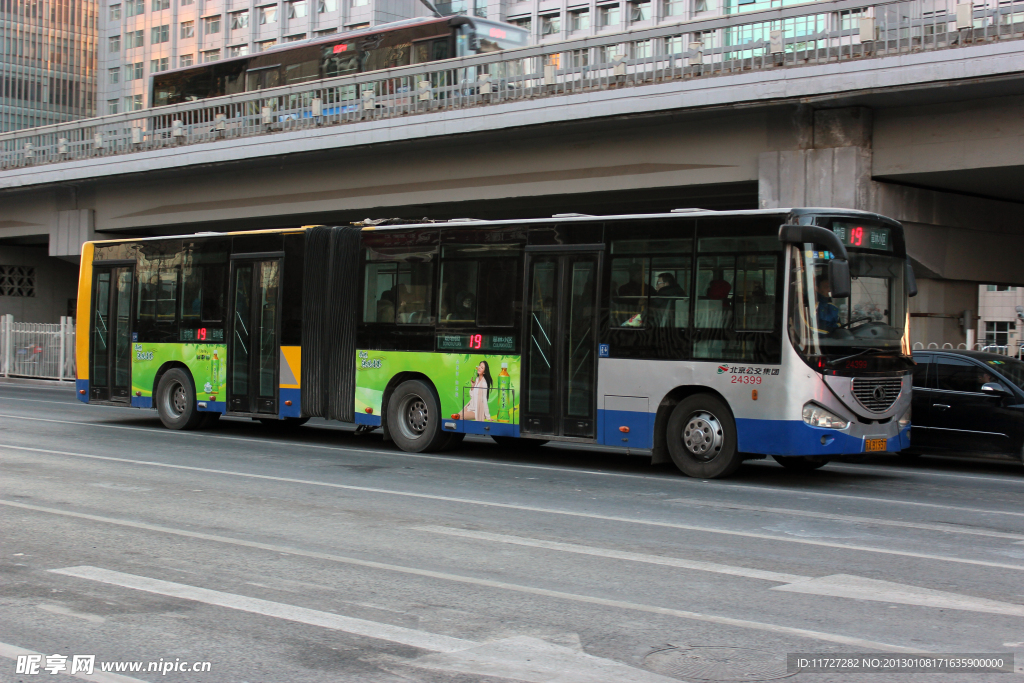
<point>482,387</point>
<point>204,361</point>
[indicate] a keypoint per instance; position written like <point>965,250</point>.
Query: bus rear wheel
<point>414,418</point>
<point>176,401</point>
<point>701,436</point>
<point>801,464</point>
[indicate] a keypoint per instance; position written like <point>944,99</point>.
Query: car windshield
<point>1010,368</point>
<point>872,317</point>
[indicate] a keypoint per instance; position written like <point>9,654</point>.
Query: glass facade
<point>48,62</point>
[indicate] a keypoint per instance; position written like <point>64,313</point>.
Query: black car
<point>968,403</point>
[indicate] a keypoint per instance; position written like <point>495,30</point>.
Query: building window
<point>525,24</point>
<point>580,20</point>
<point>157,65</point>
<point>161,5</point>
<point>357,27</point>
<point>17,281</point>
<point>185,3</point>
<point>211,56</point>
<point>551,24</point>
<point>642,49</point>
<point>998,333</point>
<point>297,9</point>
<point>135,39</point>
<point>115,12</point>
<point>133,103</point>
<point>133,71</point>
<point>115,44</point>
<point>639,11</point>
<point>186,60</point>
<point>238,50</point>
<point>160,34</point>
<point>114,75</point>
<point>134,8</point>
<point>674,8</point>
<point>608,15</point>
<point>1000,288</point>
<point>702,5</point>
<point>292,39</point>
<point>211,25</point>
<point>239,20</point>
<point>111,106</point>
<point>188,29</point>
<point>326,6</point>
<point>265,45</point>
<point>268,15</point>
<point>327,32</point>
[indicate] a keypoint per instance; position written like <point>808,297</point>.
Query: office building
<point>47,61</point>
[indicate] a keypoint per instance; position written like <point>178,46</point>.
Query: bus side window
<point>398,287</point>
<point>158,302</point>
<point>629,291</point>
<point>478,285</point>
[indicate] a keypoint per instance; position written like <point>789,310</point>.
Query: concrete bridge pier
<point>955,241</point>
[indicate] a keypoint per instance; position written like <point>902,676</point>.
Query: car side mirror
<point>994,388</point>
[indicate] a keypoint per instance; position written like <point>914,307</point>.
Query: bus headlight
<point>816,416</point>
<point>904,421</point>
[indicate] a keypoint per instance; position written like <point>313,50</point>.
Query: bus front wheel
<point>414,418</point>
<point>702,438</point>
<point>176,401</point>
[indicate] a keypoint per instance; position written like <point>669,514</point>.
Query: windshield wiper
<point>866,349</point>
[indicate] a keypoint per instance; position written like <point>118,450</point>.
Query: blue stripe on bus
<point>82,387</point>
<point>486,428</point>
<point>293,395</point>
<point>795,437</point>
<point>364,419</point>
<point>142,401</point>
<point>640,425</point>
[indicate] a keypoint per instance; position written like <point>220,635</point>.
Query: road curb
<point>29,381</point>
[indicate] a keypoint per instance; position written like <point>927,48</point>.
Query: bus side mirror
<point>839,278</point>
<point>911,281</point>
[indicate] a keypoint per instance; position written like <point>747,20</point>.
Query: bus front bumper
<point>796,437</point>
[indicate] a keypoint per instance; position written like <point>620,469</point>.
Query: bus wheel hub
<point>417,416</point>
<point>703,435</point>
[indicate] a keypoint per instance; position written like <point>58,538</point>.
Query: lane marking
<point>69,402</point>
<point>302,615</point>
<point>616,554</point>
<point>948,528</point>
<point>530,508</point>
<point>481,459</point>
<point>13,652</point>
<point>860,588</point>
<point>486,583</point>
<point>64,611</point>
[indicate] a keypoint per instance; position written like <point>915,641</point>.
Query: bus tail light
<point>624,430</point>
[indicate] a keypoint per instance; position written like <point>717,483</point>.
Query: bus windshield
<point>873,316</point>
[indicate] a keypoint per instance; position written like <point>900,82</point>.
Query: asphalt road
<point>319,555</point>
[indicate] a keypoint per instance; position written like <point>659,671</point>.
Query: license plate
<point>874,444</point>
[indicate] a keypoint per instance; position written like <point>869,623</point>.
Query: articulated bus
<point>701,337</point>
<point>399,43</point>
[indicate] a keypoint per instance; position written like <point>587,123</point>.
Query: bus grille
<point>877,395</point>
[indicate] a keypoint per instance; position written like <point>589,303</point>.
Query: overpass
<point>907,108</point>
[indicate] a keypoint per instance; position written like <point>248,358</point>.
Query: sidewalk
<point>28,381</point>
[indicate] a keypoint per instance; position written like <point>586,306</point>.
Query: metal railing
<point>38,350</point>
<point>799,35</point>
<point>1016,350</point>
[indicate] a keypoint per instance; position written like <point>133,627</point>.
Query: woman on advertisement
<point>479,392</point>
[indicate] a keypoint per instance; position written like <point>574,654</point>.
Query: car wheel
<point>701,437</point>
<point>801,463</point>
<point>176,401</point>
<point>414,417</point>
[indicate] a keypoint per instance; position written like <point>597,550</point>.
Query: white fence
<point>40,350</point>
<point>1015,350</point>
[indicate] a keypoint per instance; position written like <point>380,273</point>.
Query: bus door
<point>560,345</point>
<point>253,349</point>
<point>110,353</point>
